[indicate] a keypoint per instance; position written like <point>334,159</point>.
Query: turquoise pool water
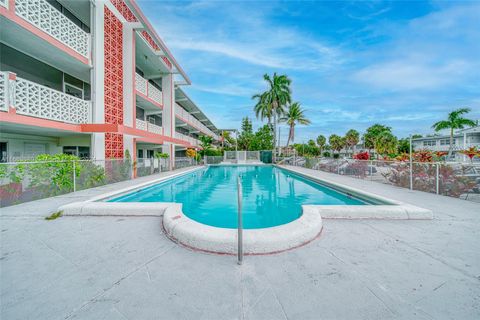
<point>271,196</point>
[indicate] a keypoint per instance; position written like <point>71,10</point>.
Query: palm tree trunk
<point>290,134</point>
<point>274,135</point>
<point>451,144</point>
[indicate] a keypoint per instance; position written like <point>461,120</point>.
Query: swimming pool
<point>271,196</point>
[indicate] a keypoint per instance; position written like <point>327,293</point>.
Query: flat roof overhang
<point>176,69</point>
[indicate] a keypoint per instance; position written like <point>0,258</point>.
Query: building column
<point>98,78</point>
<point>168,116</point>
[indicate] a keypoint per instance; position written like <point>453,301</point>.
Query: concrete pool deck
<point>125,267</point>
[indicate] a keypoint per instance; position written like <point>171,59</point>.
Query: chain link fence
<point>459,179</point>
<point>32,180</point>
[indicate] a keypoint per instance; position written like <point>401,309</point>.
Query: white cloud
<point>411,75</point>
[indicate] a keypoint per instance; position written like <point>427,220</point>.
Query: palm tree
<point>386,143</point>
<point>262,108</point>
<point>292,117</point>
<point>336,142</point>
<point>271,103</point>
<point>454,121</point>
<point>205,144</point>
<point>351,138</point>
<point>321,142</point>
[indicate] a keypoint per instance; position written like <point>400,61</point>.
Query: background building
<point>462,139</point>
<point>91,78</point>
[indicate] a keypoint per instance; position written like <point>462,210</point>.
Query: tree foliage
<point>372,133</point>
<point>294,115</point>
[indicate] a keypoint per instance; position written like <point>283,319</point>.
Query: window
<point>3,152</point>
<point>73,91</point>
<point>446,142</point>
<point>140,113</point>
<point>427,143</point>
<point>81,152</point>
<point>140,153</point>
<point>149,153</point>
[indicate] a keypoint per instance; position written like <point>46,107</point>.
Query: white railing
<point>154,128</point>
<point>190,140</point>
<point>186,116</point>
<point>155,94</point>
<point>4,3</point>
<point>35,100</point>
<point>45,17</point>
<point>147,126</point>
<point>445,147</point>
<point>143,86</point>
<point>3,91</point>
<point>141,125</point>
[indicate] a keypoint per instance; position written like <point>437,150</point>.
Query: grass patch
<point>54,215</point>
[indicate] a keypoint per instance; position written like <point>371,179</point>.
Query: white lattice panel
<point>45,17</point>
<point>154,128</point>
<point>140,124</point>
<point>38,101</point>
<point>4,3</point>
<point>140,84</point>
<point>3,91</point>
<point>154,94</point>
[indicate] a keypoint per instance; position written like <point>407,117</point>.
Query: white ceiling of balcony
<point>148,61</point>
<point>80,8</point>
<point>22,40</point>
<point>37,131</point>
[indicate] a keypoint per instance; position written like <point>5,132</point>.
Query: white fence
<point>458,179</point>
<point>241,156</point>
<point>146,88</point>
<point>50,20</point>
<point>31,180</point>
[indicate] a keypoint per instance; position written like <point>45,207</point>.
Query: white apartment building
<point>462,140</point>
<point>91,78</point>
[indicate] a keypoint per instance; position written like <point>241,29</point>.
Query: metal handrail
<point>240,223</point>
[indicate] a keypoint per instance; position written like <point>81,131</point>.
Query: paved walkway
<point>125,268</point>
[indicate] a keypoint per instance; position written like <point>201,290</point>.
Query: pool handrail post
<point>240,223</point>
<point>411,163</point>
<point>74,178</point>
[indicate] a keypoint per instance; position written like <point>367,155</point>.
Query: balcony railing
<point>48,19</point>
<point>3,91</point>
<point>147,89</point>
<point>4,3</point>
<point>147,126</point>
<point>185,115</point>
<point>32,99</point>
<point>446,147</point>
<point>190,140</point>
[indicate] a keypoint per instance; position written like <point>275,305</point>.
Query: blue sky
<point>353,64</point>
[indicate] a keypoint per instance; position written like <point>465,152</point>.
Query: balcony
<point>51,21</point>
<point>148,90</point>
<point>32,99</point>
<point>192,141</point>
<point>147,126</point>
<point>186,116</point>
